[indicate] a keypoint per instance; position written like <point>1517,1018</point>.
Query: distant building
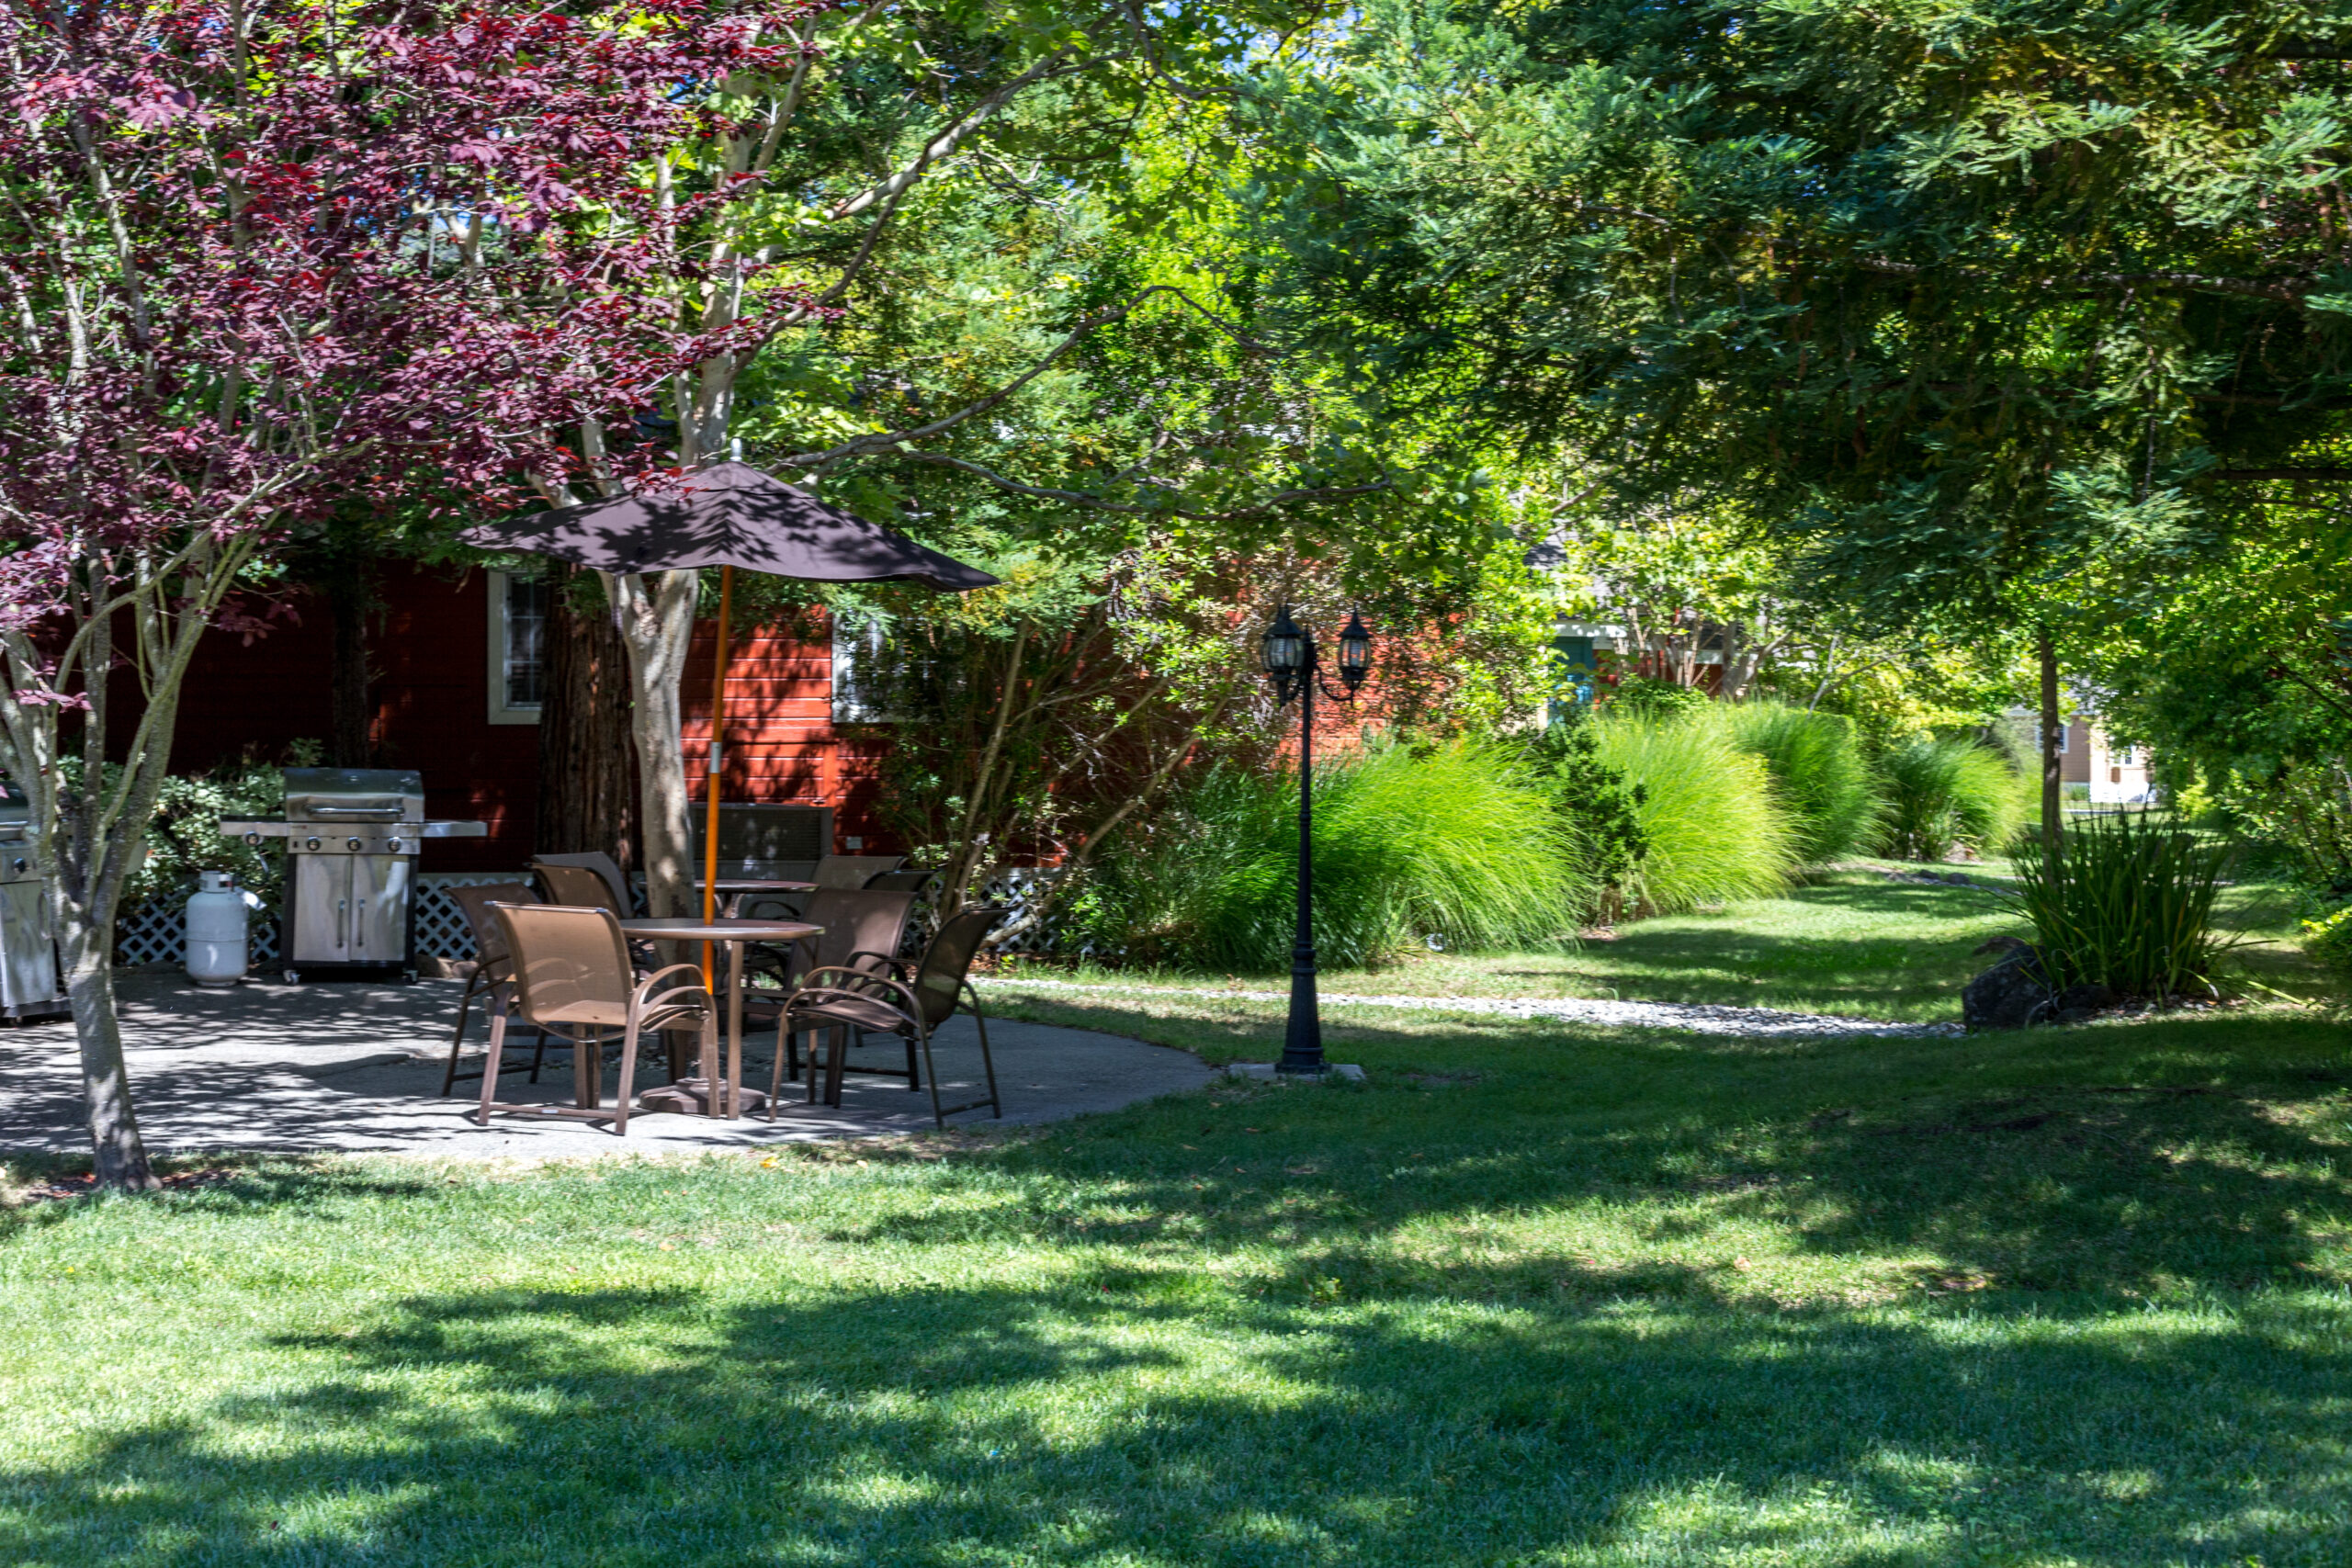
<point>2110,774</point>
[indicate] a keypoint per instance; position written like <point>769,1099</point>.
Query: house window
<point>861,650</point>
<point>518,619</point>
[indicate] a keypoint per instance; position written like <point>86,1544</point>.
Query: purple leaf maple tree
<point>259,258</point>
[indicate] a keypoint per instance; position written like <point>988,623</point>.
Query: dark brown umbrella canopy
<point>729,514</point>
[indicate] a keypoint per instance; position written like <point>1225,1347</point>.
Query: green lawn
<point>1852,941</point>
<point>1531,1295</point>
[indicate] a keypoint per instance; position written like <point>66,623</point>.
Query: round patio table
<point>696,1096</point>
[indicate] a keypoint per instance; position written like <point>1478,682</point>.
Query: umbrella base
<point>691,1097</point>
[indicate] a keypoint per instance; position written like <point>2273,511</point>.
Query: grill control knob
<point>353,844</point>
<point>393,845</point>
<point>19,862</point>
<point>314,844</point>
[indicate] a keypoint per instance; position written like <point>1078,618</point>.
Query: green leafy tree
<point>1983,311</point>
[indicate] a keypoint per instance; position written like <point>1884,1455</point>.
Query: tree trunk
<point>586,783</point>
<point>656,624</point>
<point>2053,732</point>
<point>117,1156</point>
<point>349,745</point>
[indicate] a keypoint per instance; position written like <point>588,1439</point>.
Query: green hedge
<point>1714,828</point>
<point>1457,841</point>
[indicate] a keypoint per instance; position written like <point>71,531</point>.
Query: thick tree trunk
<point>2053,733</point>
<point>350,745</point>
<point>587,781</point>
<point>118,1154</point>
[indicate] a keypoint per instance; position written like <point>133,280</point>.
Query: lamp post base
<point>1272,1072</point>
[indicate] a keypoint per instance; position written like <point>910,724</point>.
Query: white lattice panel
<point>157,931</point>
<point>1015,887</point>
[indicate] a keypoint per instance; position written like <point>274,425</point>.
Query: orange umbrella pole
<point>717,727</point>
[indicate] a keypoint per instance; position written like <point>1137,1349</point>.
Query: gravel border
<point>1696,1018</point>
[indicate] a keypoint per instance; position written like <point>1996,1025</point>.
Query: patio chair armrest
<point>697,1000</point>
<point>645,986</point>
<point>863,983</point>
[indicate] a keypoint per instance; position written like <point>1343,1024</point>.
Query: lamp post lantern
<point>1290,656</point>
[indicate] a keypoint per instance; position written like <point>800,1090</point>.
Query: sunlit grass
<point>1529,1295</point>
<point>1855,942</point>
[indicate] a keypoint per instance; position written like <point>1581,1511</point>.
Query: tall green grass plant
<point>1945,795</point>
<point>1713,830</point>
<point>1819,775</point>
<point>2124,904</point>
<point>1456,842</point>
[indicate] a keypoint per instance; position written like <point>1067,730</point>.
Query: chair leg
<point>628,1080</point>
<point>987,1065</point>
<point>458,1038</point>
<point>776,1067</point>
<point>836,1064</point>
<point>931,1076</point>
<point>914,1078</point>
<point>490,1065</point>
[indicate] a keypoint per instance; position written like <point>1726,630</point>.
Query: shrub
<point>1647,696</point>
<point>2327,936</point>
<point>2124,904</point>
<point>1941,796</point>
<point>1715,832</point>
<point>1456,841</point>
<point>1819,774</point>
<point>1601,806</point>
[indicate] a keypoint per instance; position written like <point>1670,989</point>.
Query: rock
<point>2012,993</point>
<point>2004,944</point>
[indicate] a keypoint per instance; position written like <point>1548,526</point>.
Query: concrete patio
<point>359,1066</point>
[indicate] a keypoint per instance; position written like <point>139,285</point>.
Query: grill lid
<point>334,796</point>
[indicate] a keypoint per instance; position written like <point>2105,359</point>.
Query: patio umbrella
<point>727,515</point>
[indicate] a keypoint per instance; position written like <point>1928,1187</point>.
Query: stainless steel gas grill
<point>28,985</point>
<point>352,838</point>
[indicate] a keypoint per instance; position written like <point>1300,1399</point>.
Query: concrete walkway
<point>358,1064</point>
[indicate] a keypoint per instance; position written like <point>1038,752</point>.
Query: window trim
<point>501,710</point>
<point>849,649</point>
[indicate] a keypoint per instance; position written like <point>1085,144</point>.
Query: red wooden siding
<point>781,748</point>
<point>429,647</point>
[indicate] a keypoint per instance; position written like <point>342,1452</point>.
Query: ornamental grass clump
<point>1714,831</point>
<point>1819,775</point>
<point>1946,795</point>
<point>2124,904</point>
<point>1453,841</point>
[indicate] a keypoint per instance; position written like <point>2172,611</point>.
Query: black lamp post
<point>1291,658</point>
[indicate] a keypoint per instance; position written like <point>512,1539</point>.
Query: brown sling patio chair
<point>578,886</point>
<point>862,930</point>
<point>572,979</point>
<point>853,1003</point>
<point>834,871</point>
<point>604,866</point>
<point>907,879</point>
<point>853,871</point>
<point>493,970</point>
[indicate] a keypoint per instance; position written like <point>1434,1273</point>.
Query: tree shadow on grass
<point>2103,1166</point>
<point>1085,1423</point>
<point>1242,1366</point>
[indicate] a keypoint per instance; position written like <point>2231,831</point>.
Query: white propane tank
<point>215,930</point>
